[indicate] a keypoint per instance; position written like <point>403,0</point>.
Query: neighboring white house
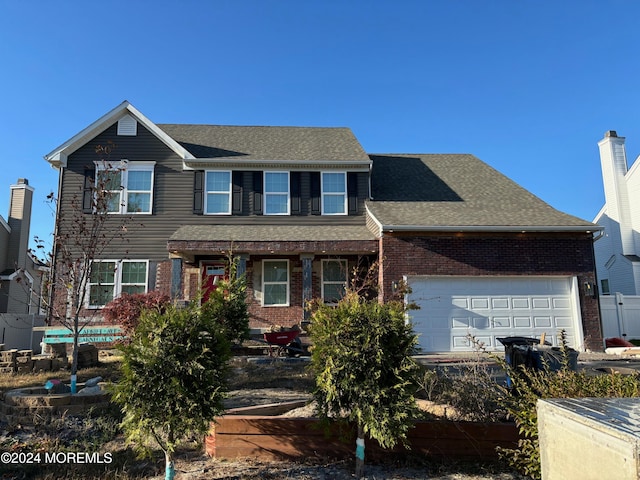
<point>617,252</point>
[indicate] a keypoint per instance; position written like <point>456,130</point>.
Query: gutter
<point>489,228</point>
<point>352,165</point>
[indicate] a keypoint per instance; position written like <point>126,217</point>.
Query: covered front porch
<point>285,271</point>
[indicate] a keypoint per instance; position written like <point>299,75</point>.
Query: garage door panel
<point>542,322</point>
<point>481,322</point>
<point>499,303</point>
<point>503,322</point>
<point>522,322</point>
<point>561,303</point>
<point>519,302</point>
<point>460,302</point>
<point>460,322</point>
<point>489,307</point>
<point>541,303</point>
<point>479,303</point>
<point>564,322</point>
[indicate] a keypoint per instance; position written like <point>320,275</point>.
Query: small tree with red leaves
<point>125,310</point>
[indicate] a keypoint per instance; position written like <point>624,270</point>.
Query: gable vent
<point>127,125</point>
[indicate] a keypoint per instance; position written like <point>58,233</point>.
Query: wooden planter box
<point>277,438</point>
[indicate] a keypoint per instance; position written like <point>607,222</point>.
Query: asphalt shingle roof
<point>271,233</point>
<point>443,190</point>
<point>238,143</point>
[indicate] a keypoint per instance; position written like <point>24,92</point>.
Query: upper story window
<point>334,193</point>
<point>111,278</point>
<point>129,186</point>
<point>218,193</point>
<point>276,193</point>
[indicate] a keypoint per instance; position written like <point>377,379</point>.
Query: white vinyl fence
<point>620,316</point>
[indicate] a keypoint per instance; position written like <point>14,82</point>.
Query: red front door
<point>212,273</point>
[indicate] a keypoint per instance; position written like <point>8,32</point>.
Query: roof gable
<point>58,157</point>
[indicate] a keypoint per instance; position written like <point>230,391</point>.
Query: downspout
<point>597,236</point>
<point>52,269</point>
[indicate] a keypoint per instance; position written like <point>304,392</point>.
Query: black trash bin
<point>528,352</point>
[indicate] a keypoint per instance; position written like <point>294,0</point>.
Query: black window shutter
<point>87,190</point>
<point>257,193</point>
<point>352,192</point>
<point>236,193</point>
<point>294,179</point>
<point>315,193</point>
<point>198,192</point>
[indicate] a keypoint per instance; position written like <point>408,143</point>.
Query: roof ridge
<point>252,126</point>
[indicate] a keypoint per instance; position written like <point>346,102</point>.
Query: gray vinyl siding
<point>147,234</point>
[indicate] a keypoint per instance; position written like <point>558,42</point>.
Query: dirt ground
<point>207,469</point>
<point>278,381</point>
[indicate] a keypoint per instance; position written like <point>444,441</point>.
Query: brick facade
<point>472,254</point>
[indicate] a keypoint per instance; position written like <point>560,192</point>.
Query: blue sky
<point>529,87</point>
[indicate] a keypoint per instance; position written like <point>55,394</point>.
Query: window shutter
<point>236,192</point>
<point>314,177</point>
<point>87,190</point>
<point>352,192</point>
<point>294,180</point>
<point>198,192</point>
<point>257,193</point>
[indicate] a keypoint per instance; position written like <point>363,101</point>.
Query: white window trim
<point>124,167</point>
<point>118,284</point>
<point>264,283</point>
<point>344,263</point>
<point>324,194</point>
<point>288,192</point>
<point>207,192</point>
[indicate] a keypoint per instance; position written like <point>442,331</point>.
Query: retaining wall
<point>278,438</point>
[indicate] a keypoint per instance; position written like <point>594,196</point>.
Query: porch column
<point>307,282</point>
<point>176,278</point>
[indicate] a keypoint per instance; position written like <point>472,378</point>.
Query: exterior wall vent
<point>127,125</point>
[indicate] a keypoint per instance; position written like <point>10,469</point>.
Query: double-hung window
<point>218,193</point>
<point>334,193</point>
<point>111,278</point>
<point>275,282</point>
<point>128,186</point>
<point>276,193</point>
<point>334,280</point>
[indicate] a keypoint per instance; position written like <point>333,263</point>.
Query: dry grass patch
<point>108,369</point>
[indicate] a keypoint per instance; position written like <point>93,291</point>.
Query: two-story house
<point>301,207</point>
<point>20,272</point>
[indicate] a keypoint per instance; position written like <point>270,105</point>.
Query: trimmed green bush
<point>364,371</point>
<point>174,376</point>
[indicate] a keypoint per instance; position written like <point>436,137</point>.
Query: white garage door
<point>452,308</point>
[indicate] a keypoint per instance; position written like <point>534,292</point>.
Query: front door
<point>212,273</point>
